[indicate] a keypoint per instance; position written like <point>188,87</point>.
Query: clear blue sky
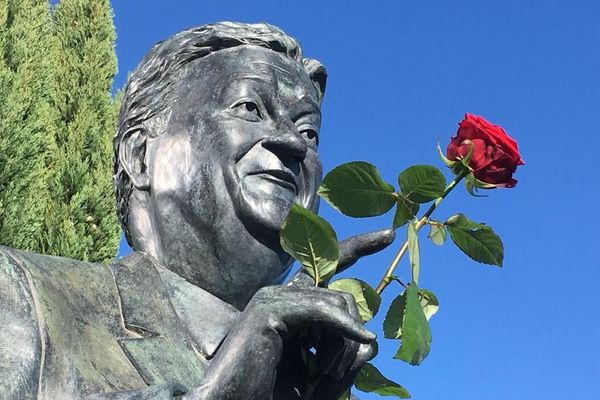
<point>402,73</point>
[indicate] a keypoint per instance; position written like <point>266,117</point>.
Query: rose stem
<point>385,281</point>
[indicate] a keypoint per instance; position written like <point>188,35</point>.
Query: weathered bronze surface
<point>218,137</point>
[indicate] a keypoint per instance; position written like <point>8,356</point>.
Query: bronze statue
<point>217,138</point>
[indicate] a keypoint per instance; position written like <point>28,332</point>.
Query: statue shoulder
<point>62,314</point>
<point>65,289</point>
<point>47,272</point>
<point>20,334</point>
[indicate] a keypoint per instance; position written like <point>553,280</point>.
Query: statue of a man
<point>217,138</point>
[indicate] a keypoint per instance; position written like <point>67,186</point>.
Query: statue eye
<point>246,109</point>
<point>309,133</point>
<point>251,107</point>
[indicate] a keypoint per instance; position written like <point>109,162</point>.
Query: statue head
<point>218,135</point>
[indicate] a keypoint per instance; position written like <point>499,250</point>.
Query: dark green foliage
<point>56,73</point>
<point>357,190</point>
<point>367,299</point>
<point>422,183</point>
<point>312,241</point>
<point>370,380</point>
<point>27,122</point>
<point>407,321</point>
<point>478,241</point>
<point>405,211</point>
<point>83,224</point>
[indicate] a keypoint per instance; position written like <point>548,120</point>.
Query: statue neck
<point>226,261</point>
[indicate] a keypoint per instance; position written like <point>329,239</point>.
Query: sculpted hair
<point>150,89</point>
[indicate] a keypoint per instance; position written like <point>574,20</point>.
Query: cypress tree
<point>27,122</point>
<point>56,126</point>
<point>5,76</point>
<point>83,221</point>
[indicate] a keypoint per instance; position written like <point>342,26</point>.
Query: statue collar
<point>207,318</point>
<point>171,319</point>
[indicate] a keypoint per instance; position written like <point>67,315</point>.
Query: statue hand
<point>289,309</point>
<point>248,359</point>
<point>340,359</point>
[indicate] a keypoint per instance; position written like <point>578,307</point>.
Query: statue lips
<point>280,177</point>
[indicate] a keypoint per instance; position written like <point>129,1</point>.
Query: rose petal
<point>495,154</point>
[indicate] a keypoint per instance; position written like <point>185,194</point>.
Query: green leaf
<point>478,241</point>
<point>413,252</point>
<point>437,233</point>
<point>422,183</point>
<point>406,320</point>
<point>357,190</point>
<point>312,241</point>
<point>392,324</point>
<point>367,299</point>
<point>370,380</point>
<point>405,211</point>
<point>429,302</point>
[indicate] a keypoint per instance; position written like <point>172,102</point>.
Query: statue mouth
<point>279,177</point>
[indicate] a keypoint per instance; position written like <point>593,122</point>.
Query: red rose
<point>495,154</point>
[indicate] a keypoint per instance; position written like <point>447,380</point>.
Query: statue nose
<point>287,143</point>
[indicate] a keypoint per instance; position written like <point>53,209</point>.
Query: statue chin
<point>263,213</point>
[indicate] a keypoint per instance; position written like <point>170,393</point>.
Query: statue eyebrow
<point>314,105</point>
<point>307,106</point>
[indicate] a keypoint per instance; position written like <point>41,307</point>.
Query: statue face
<point>241,142</point>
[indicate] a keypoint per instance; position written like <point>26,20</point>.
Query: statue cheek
<point>312,174</point>
<point>234,138</point>
<point>313,169</point>
<point>170,163</point>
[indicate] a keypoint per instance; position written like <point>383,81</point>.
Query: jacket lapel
<point>206,318</point>
<point>163,353</point>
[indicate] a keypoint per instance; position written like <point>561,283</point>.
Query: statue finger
<point>335,319</point>
<point>365,353</point>
<point>301,279</point>
<point>351,303</point>
<point>355,247</point>
<point>307,306</point>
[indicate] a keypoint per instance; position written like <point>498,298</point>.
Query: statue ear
<point>318,74</point>
<point>319,77</point>
<point>132,156</point>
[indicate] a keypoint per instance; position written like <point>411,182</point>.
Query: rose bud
<point>495,155</point>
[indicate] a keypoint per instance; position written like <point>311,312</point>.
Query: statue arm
<point>21,346</point>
